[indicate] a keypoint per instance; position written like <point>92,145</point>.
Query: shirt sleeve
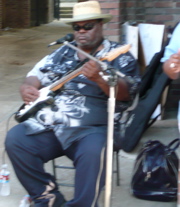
<point>173,45</point>
<point>128,65</point>
<point>35,71</point>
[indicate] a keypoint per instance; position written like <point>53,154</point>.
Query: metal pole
<point>109,155</point>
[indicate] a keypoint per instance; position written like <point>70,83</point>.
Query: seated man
<point>75,125</point>
<point>171,59</point>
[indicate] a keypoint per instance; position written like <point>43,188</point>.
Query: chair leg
<point>117,169</point>
<point>54,169</point>
<point>54,166</point>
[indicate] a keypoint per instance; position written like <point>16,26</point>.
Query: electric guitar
<point>46,96</point>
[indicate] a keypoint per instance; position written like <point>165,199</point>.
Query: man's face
<point>88,33</point>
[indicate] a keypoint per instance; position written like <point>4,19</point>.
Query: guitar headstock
<point>116,52</point>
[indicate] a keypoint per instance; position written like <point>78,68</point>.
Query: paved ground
<point>20,50</point>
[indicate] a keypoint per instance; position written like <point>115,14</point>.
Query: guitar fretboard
<point>109,56</point>
<point>58,84</point>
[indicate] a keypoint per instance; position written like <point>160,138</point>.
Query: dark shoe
<point>63,205</point>
<point>59,202</point>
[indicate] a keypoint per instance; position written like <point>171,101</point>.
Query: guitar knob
<point>50,100</point>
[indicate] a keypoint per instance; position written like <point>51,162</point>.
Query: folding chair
<point>125,117</point>
<point>56,167</point>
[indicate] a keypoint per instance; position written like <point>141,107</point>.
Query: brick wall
<point>151,11</point>
<point>139,11</point>
<point>17,13</point>
<point>20,14</point>
<point>111,29</point>
<point>136,11</point>
<point>0,14</point>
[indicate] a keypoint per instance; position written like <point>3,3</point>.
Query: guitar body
<point>26,111</point>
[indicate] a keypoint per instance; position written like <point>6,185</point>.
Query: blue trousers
<point>28,153</point>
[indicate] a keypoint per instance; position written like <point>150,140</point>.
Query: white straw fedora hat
<point>88,10</point>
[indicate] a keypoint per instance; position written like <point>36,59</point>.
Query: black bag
<point>155,174</point>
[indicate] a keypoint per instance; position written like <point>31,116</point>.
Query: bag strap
<point>151,144</point>
<point>169,150</point>
<point>151,122</point>
<point>175,141</point>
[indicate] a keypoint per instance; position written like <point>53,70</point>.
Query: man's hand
<point>91,70</point>
<point>172,66</point>
<point>174,62</point>
<point>29,93</point>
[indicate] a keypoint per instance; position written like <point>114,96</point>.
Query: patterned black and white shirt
<point>80,106</point>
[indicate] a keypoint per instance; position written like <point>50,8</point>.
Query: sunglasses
<point>86,27</point>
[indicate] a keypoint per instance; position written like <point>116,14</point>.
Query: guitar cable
<point>6,131</point>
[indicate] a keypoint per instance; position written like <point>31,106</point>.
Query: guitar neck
<point>58,84</point>
<point>109,56</point>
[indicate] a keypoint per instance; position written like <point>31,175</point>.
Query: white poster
<point>151,37</point>
<point>130,36</point>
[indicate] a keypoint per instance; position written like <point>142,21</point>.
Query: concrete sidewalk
<point>20,50</point>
